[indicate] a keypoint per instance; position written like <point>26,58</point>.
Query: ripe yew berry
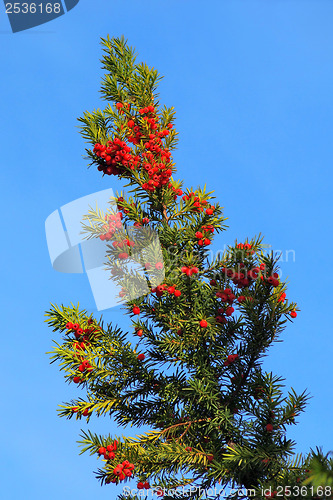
<point>203,323</point>
<point>188,448</point>
<point>177,293</point>
<point>140,486</point>
<point>141,357</point>
<point>171,289</point>
<point>85,413</point>
<point>136,310</point>
<point>146,485</point>
<point>69,326</point>
<point>159,265</point>
<point>293,314</point>
<point>269,428</point>
<point>210,458</point>
<point>76,380</point>
<point>210,211</point>
<point>198,235</point>
<point>139,333</point>
<point>101,450</point>
<point>229,311</point>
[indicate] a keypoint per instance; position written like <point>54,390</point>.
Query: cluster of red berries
<point>204,234</point>
<point>115,157</point>
<point>123,470</point>
<point>121,245</point>
<point>230,359</point>
<point>271,494</point>
<point>158,265</point>
<point>246,246</point>
<point>282,298</point>
<point>142,486</point>
<point>171,290</point>
<point>85,366</point>
<point>113,223</point>
<point>85,412</point>
<point>80,347</point>
<point>189,270</point>
<point>198,205</point>
<point>108,452</point>
<point>243,278</point>
<point>157,164</point>
<point>150,118</point>
<point>227,296</point>
<point>243,298</point>
<point>271,280</point>
<point>80,332</point>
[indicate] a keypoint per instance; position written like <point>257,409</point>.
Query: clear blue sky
<point>252,85</point>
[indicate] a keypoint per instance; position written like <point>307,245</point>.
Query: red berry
<point>76,380</point>
<point>146,485</point>
<point>188,448</point>
<point>159,265</point>
<point>139,333</point>
<point>177,293</point>
<point>203,323</point>
<point>85,412</point>
<point>198,235</point>
<point>293,314</point>
<point>229,311</point>
<point>210,458</point>
<point>141,357</point>
<point>269,428</point>
<point>140,486</point>
<point>101,451</point>
<point>210,211</point>
<point>136,310</point>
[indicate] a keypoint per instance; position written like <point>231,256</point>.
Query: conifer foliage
<point>190,367</point>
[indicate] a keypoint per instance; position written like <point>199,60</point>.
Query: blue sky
<point>252,85</point>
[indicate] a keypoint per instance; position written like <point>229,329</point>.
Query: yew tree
<point>189,369</point>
